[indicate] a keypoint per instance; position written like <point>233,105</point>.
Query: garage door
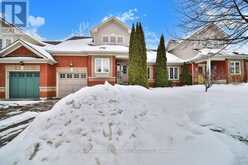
<point>24,85</point>
<point>71,82</point>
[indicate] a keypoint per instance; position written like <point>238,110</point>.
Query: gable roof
<point>111,19</point>
<point>2,20</point>
<point>197,31</point>
<point>38,50</point>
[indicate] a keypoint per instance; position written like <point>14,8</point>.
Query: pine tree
<point>161,65</point>
<point>130,63</point>
<point>137,68</point>
<point>144,78</point>
<point>186,77</point>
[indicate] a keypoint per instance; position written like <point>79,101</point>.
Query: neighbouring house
<point>209,57</point>
<point>9,34</point>
<point>56,69</point>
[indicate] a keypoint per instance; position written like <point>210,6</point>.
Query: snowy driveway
<point>15,116</point>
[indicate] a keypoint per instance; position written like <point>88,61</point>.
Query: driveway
<point>15,116</point>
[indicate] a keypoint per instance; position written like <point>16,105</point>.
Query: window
<point>76,75</point>
<point>1,43</point>
<point>112,39</point>
<point>69,75</point>
<point>8,42</point>
<point>83,75</point>
<point>173,73</point>
<point>105,39</point>
<point>235,67</point>
<point>62,75</point>
<point>124,69</point>
<point>120,40</point>
<point>149,73</point>
<point>102,65</point>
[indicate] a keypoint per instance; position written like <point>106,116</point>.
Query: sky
<point>57,19</point>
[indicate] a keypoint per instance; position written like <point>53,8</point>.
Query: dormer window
<point>105,39</point>
<point>120,40</point>
<point>112,39</point>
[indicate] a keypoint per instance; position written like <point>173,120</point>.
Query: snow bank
<point>6,104</point>
<point>116,125</point>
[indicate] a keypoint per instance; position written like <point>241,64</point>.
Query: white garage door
<point>71,82</point>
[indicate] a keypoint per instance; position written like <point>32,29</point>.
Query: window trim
<point>106,37</point>
<point>102,68</point>
<point>169,77</point>
<point>234,69</point>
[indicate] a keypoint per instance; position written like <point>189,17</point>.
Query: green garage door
<point>24,85</point>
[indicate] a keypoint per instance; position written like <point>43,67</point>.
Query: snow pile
<point>116,125</point>
<point>6,104</point>
<point>17,119</point>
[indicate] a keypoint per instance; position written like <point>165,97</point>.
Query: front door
<point>122,73</point>
<point>24,85</point>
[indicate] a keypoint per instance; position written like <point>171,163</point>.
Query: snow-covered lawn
<point>120,125</point>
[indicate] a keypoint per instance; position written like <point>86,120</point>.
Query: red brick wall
<point>22,51</point>
<point>77,61</point>
<point>219,71</point>
<point>96,81</point>
<point>2,75</point>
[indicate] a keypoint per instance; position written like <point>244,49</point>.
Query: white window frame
<point>102,65</point>
<point>117,39</point>
<point>169,76</point>
<point>107,38</point>
<point>234,69</point>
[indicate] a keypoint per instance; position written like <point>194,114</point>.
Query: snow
<point>85,46</point>
<point>16,119</point>
<point>6,104</point>
<point>171,59</point>
<point>219,54</point>
<point>119,125</point>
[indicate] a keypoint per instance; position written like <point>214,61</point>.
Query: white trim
<point>102,64</point>
<point>235,72</point>
<point>173,79</point>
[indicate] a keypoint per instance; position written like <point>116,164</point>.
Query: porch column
<point>193,73</point>
<point>209,68</point>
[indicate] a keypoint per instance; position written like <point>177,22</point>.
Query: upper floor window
<point>105,39</point>
<point>235,67</point>
<point>113,39</point>
<point>1,43</point>
<point>102,65</point>
<point>120,40</point>
<point>8,42</point>
<point>173,73</point>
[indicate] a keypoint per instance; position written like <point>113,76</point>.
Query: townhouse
<point>33,69</point>
<point>208,56</point>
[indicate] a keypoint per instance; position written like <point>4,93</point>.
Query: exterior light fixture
<point>71,67</point>
<point>22,65</point>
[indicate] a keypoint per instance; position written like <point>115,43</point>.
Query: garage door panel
<point>71,82</point>
<point>24,84</point>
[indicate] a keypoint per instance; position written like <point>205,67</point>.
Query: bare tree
<point>230,15</point>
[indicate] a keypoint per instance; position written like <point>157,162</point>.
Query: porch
<point>221,71</point>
